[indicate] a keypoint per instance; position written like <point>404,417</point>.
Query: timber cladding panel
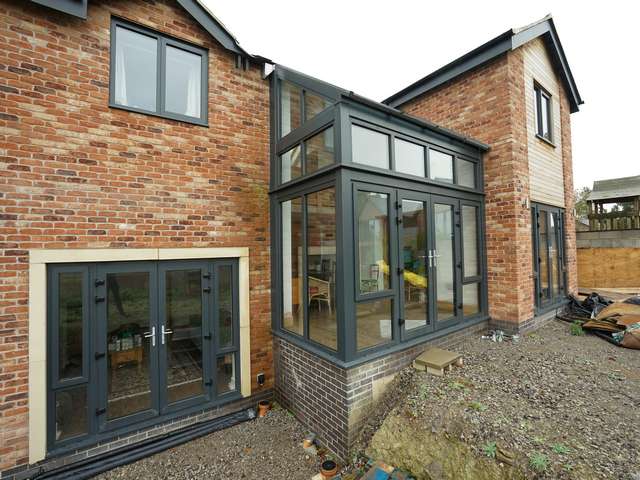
<point>546,177</point>
<point>609,267</point>
<point>75,173</point>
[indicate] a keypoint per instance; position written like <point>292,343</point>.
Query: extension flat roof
<point>615,188</point>
<point>509,40</point>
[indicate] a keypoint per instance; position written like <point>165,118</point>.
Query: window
<point>310,155</point>
<point>321,267</point>
<point>370,147</point>
<point>465,173</point>
<point>543,115</point>
<point>291,164</point>
<point>297,104</point>
<point>372,210</point>
<point>440,166</point>
<point>310,259</point>
<point>152,73</point>
<point>409,157</point>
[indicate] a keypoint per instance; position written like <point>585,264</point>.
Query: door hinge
<point>100,411</point>
<point>401,321</point>
<point>99,282</point>
<point>398,220</point>
<point>208,336</point>
<point>99,299</point>
<point>400,270</point>
<point>99,355</point>
<point>206,275</point>
<point>208,383</point>
<point>399,205</point>
<point>206,289</point>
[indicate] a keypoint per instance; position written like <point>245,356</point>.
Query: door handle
<point>151,335</point>
<point>165,332</point>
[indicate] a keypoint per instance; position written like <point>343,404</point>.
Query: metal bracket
<point>100,411</point>
<point>99,299</point>
<point>99,282</point>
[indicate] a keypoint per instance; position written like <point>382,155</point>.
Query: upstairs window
<point>297,105</point>
<point>542,110</point>
<point>152,73</point>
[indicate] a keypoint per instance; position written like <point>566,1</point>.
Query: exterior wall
<point>488,104</point>
<point>334,402</point>
<point>546,179</point>
<point>77,174</point>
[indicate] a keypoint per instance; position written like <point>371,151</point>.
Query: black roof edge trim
<point>504,42</point>
<point>307,81</point>
<point>76,8</point>
<point>211,24</point>
<point>417,121</point>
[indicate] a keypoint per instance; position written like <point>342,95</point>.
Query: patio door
<point>438,286</point>
<point>154,328</point>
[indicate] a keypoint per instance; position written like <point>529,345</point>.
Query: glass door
<point>184,334</point>
<point>444,254</point>
<point>126,343</point>
<point>413,255</point>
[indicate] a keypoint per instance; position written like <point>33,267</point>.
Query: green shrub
<point>576,329</point>
<point>539,462</point>
<point>490,449</point>
<point>560,449</point>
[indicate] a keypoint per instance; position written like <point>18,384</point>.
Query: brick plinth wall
<point>75,173</point>
<point>333,402</point>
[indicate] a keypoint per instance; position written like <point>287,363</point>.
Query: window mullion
<point>161,75</point>
<point>305,279</point>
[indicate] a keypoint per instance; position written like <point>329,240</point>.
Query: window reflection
<point>373,323</point>
<point>291,164</point>
<point>440,166</point>
<point>409,157</point>
<point>470,240</point>
<point>289,107</point>
<point>292,311</point>
<point>321,266</point>
<point>370,147</point>
<point>70,320</point>
<point>373,241</point>
<point>319,151</point>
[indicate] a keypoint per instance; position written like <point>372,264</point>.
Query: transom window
<point>543,114</point>
<point>156,74</point>
<point>297,105</point>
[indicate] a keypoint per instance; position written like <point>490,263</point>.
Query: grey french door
<point>440,261</point>
<point>131,343</point>
<point>548,255</point>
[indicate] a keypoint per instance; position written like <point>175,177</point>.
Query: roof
<point>615,188</point>
<point>196,8</point>
<point>509,40</point>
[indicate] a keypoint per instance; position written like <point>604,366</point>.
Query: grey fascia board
<point>77,8</point>
<point>473,59</point>
<point>216,29</point>
<point>306,81</point>
<point>417,121</point>
<point>509,40</point>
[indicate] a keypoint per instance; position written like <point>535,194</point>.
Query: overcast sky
<point>376,48</point>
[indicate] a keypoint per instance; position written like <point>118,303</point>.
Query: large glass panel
<point>290,110</point>
<point>226,373</point>
<point>291,164</point>
<point>373,241</point>
<point>183,85</point>
<point>470,240</point>
<point>292,280</point>
<point>319,151</point>
<point>553,254</point>
<point>183,333</point>
<point>409,157</point>
<point>225,306</point>
<point>444,261</point>
<point>413,255</point>
<point>70,324</point>
<point>128,319</point>
<point>71,413</point>
<point>543,255</point>
<point>369,147</point>
<point>313,104</point>
<point>321,266</point>
<point>373,323</point>
<point>470,299</point>
<point>440,166</point>
<point>546,117</point>
<point>466,172</point>
<point>135,69</point>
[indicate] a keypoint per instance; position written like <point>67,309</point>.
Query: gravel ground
<point>268,447</point>
<point>571,401</point>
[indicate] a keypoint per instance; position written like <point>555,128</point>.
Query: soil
<point>566,407</point>
<point>268,447</point>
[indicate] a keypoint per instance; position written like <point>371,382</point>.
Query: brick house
<point>188,228</point>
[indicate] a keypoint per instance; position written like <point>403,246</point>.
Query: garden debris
<point>613,321</point>
<point>499,336</point>
<point>505,456</point>
<point>437,361</point>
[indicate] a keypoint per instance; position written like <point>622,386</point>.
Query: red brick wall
<point>75,173</point>
<point>489,105</point>
<point>569,199</point>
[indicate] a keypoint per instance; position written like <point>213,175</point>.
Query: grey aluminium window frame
<point>541,305</point>
<point>163,41</point>
<point>540,93</point>
<point>94,349</point>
